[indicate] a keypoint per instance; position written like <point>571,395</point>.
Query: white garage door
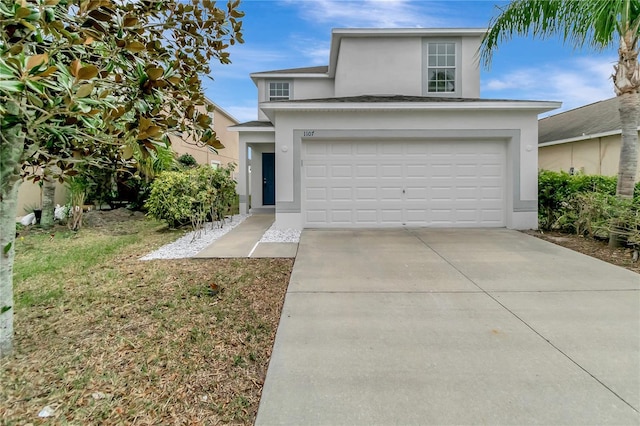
<point>417,183</point>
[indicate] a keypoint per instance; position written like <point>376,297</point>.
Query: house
<point>225,152</point>
<point>585,139</point>
<point>391,133</point>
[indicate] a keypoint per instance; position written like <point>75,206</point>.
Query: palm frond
<point>586,23</point>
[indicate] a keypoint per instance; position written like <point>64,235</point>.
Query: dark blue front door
<point>268,179</point>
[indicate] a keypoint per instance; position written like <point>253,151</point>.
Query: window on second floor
<point>279,91</point>
<point>441,67</point>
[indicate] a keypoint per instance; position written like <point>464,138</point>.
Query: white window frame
<point>215,164</point>
<point>442,61</point>
<point>276,97</point>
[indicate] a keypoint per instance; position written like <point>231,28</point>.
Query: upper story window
<point>279,91</point>
<point>441,67</point>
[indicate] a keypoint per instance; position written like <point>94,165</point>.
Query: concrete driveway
<point>441,326</point>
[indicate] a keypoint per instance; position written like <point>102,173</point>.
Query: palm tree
<point>595,24</point>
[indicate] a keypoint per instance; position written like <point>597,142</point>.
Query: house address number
<point>309,132</point>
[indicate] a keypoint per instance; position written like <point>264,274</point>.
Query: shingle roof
<point>599,117</point>
<point>254,123</point>
<point>306,70</point>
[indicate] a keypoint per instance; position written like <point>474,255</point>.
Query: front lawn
<point>102,337</point>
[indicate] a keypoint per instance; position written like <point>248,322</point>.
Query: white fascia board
<point>337,34</point>
<point>404,32</point>
<point>539,106</point>
<point>288,75</point>
<point>251,129</point>
<point>582,138</point>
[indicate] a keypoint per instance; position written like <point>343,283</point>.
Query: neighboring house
<point>227,152</point>
<point>585,139</point>
<point>391,133</point>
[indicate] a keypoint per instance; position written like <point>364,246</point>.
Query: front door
<point>268,179</point>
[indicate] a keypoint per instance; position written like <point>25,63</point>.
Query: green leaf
<point>11,86</point>
<point>22,12</point>
<point>5,309</point>
<point>84,90</point>
<point>36,86</point>
<point>7,248</point>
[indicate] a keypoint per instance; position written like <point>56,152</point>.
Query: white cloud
<point>247,59</point>
<point>368,13</point>
<point>574,82</point>
<point>243,113</point>
<point>314,50</point>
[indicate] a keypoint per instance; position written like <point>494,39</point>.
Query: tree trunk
<point>9,184</point>
<point>626,80</point>
<point>628,165</point>
<point>48,199</point>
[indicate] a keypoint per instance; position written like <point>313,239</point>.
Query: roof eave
<point>250,129</point>
<point>540,106</point>
<point>582,138</point>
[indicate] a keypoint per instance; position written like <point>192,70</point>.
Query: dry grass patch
<point>105,338</point>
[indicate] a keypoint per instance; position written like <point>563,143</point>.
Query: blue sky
<point>296,33</point>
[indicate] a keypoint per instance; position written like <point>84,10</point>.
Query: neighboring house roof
<point>597,119</point>
<point>223,111</point>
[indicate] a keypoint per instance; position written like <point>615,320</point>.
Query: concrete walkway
<point>462,326</point>
<point>243,241</point>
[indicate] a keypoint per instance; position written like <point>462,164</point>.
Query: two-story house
<point>391,133</point>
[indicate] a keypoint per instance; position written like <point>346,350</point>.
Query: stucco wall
<point>597,156</point>
<point>379,66</point>
<point>202,154</point>
<point>470,66</point>
<point>313,88</point>
<point>29,196</point>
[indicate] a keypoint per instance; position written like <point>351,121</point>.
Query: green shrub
<point>187,160</point>
<point>192,196</point>
<point>587,205</point>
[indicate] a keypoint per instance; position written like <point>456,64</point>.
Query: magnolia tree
<point>93,82</point>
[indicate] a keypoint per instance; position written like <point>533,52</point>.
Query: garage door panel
<point>416,183</point>
<point>390,193</point>
<point>341,170</point>
<point>369,216</point>
<point>341,149</point>
<point>316,194</point>
<point>366,171</point>
<point>342,194</point>
<point>390,216</point>
<point>391,171</point>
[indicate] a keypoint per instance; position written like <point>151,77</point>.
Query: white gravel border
<point>191,244</point>
<point>281,235</point>
<point>194,242</point>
